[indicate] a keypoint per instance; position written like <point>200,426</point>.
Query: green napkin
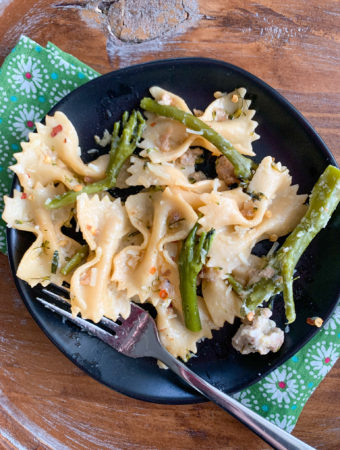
<point>32,80</point>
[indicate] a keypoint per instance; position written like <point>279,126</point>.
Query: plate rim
<point>308,129</point>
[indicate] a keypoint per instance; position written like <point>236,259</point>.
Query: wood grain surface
<point>47,402</point>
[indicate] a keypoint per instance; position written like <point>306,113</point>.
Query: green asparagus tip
<point>122,146</point>
<point>193,255</point>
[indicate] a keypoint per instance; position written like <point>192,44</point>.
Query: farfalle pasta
<point>26,211</point>
<point>52,154</point>
<point>134,246</point>
<point>103,224</point>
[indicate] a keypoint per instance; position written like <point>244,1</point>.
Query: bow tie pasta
<point>51,248</point>
<point>52,154</point>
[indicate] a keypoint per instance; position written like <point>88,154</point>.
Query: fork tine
<point>109,323</point>
<point>64,289</point>
<point>82,323</point>
<point>104,321</point>
<point>55,296</point>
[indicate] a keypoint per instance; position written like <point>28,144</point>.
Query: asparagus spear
<point>323,201</point>
<point>122,146</point>
<point>76,260</point>
<point>192,257</point>
<point>242,165</point>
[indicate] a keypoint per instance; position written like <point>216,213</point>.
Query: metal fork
<point>137,336</point>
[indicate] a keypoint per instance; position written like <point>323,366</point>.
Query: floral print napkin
<point>32,80</point>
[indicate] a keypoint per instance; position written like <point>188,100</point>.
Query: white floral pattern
<point>61,64</point>
<point>320,358</point>
<point>284,421</point>
<point>23,118</point>
<point>333,323</point>
<point>247,399</point>
<point>60,90</point>
<point>56,58</point>
<point>282,386</point>
<point>27,76</point>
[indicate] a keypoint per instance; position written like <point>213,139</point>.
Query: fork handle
<point>270,433</point>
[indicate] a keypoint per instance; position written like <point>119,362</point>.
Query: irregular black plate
<point>285,135</point>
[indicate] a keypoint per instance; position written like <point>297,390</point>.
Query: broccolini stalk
<point>192,257</point>
<point>76,260</point>
<point>242,165</point>
<point>237,286</point>
<point>122,146</point>
<point>323,201</point>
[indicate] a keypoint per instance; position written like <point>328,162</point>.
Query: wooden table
<point>45,401</point>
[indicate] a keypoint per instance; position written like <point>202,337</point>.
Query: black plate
<point>285,135</point>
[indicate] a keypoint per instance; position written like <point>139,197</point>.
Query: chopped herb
<point>255,195</point>
<point>55,261</point>
<point>235,115</point>
<point>133,233</point>
<point>175,223</point>
<point>44,246</point>
<point>156,188</point>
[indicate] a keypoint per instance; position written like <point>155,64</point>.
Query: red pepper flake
<point>152,124</point>
<point>56,130</point>
<point>163,294</point>
<point>65,140</point>
<point>23,196</point>
<point>153,270</point>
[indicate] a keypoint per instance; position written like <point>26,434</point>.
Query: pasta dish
<point>182,237</point>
